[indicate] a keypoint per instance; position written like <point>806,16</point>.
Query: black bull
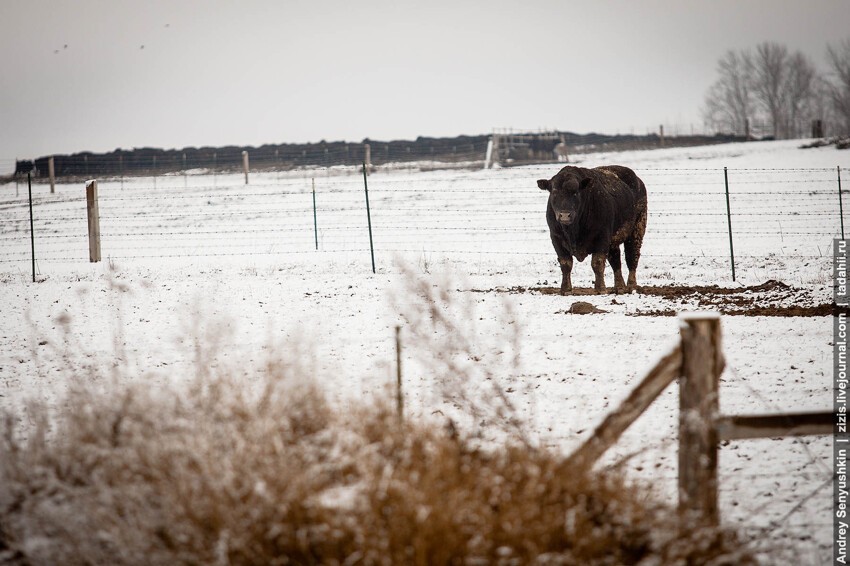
<point>591,212</point>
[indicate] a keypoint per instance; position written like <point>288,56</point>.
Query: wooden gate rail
<point>769,426</point>
<point>615,424</point>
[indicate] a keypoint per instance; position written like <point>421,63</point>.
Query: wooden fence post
<point>245,165</point>
<point>368,160</point>
<point>702,364</point>
<point>94,221</point>
<point>51,172</point>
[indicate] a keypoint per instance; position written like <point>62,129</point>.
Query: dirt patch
<point>817,310</point>
<point>666,291</point>
<point>771,298</point>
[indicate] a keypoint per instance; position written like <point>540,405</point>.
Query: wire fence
<point>785,215</point>
<point>781,218</point>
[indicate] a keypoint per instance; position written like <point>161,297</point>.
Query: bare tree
<point>729,102</point>
<point>839,61</point>
<point>821,106</point>
<point>800,78</point>
<point>770,65</point>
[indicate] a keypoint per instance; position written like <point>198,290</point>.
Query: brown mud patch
<point>771,298</point>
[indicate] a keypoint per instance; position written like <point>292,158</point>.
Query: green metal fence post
<point>729,221</point>
<point>32,230</point>
<point>315,221</point>
<point>369,217</point>
<point>840,201</point>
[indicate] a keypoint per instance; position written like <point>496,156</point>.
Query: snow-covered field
<point>194,256</point>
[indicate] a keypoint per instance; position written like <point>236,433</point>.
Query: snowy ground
<point>201,255</point>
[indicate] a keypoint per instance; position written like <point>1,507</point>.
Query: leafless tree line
<point>782,90</point>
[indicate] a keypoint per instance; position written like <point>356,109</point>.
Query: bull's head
<point>565,193</point>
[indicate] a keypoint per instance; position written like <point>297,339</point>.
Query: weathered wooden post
<point>277,163</point>
<point>661,135</point>
<point>368,159</point>
<point>94,221</point>
<point>702,364</point>
<point>245,165</point>
<point>51,172</point>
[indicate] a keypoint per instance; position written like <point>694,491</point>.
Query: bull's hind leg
<point>632,248</point>
<point>597,262</point>
<point>614,260</point>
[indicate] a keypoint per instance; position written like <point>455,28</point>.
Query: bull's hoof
<point>599,290</point>
<point>619,290</point>
<point>566,291</point>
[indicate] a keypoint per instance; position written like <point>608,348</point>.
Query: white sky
<point>270,71</point>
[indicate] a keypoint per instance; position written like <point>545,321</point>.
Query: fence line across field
<point>295,202</point>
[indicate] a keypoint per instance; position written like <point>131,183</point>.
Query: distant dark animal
<point>591,212</point>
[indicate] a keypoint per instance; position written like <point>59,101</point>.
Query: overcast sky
<point>97,75</point>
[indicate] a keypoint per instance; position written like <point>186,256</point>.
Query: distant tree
<point>799,89</point>
<point>771,85</point>
<point>821,106</point>
<point>729,103</point>
<point>839,61</point>
<point>770,66</point>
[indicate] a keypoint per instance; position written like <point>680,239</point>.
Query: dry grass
<point>223,477</point>
<point>266,470</point>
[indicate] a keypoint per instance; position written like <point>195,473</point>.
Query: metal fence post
<point>840,201</point>
<point>729,221</point>
<point>369,217</point>
<point>315,220</point>
<point>399,394</point>
<point>32,230</point>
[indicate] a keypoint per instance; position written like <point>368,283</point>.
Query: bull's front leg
<point>566,269</point>
<point>597,262</point>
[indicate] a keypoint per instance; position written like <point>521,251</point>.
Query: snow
<point>202,257</point>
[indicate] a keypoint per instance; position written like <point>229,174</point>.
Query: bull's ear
<point>545,184</point>
<point>584,183</point>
